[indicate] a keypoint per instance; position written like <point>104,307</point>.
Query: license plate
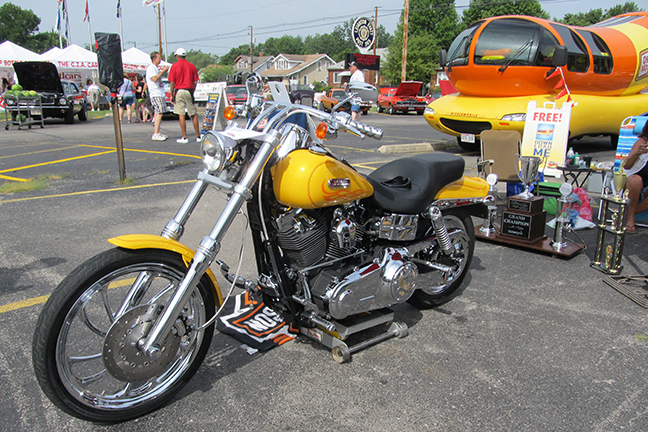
<point>469,138</point>
<point>35,112</point>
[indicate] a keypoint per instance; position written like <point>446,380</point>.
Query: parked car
<point>404,98</point>
<point>59,98</point>
<point>302,94</point>
<point>333,96</point>
<point>167,96</point>
<point>236,94</point>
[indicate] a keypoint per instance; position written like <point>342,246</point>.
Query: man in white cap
<point>183,78</point>
<point>356,75</point>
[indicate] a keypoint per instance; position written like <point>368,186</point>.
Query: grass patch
<point>30,186</point>
<point>181,163</point>
<point>39,183</point>
<point>642,337</point>
<point>126,182</point>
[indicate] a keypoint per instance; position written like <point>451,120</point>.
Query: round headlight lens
<point>428,111</point>
<point>217,150</point>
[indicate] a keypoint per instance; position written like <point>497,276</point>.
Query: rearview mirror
<point>443,57</point>
<point>560,56</point>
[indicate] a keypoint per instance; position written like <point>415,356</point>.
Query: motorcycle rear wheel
<point>79,342</point>
<point>431,293</point>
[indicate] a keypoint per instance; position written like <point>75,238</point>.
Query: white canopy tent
<point>75,63</point>
<point>47,55</point>
<point>11,53</point>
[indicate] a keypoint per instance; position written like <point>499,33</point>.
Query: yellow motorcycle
<point>334,250</point>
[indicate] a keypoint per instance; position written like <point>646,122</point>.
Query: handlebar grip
<point>370,131</point>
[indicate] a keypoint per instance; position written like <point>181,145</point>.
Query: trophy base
<point>543,245</point>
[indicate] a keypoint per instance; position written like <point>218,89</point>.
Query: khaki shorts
<point>183,99</point>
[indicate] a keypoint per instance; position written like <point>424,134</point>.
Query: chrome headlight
<point>217,151</point>
<point>428,111</point>
<point>62,101</point>
<point>519,117</point>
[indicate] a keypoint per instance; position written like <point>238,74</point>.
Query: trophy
<point>563,217</point>
<point>488,228</point>
<point>528,172</point>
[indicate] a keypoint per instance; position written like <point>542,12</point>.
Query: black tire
<point>614,141</point>
<point>321,107</point>
<point>435,288</point>
<point>83,114</point>
<point>380,109</point>
<point>391,110</point>
<point>81,316</point>
<point>420,112</point>
<point>365,112</point>
<point>69,115</point>
<point>471,147</point>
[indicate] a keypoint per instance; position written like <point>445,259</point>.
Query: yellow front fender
<point>148,241</point>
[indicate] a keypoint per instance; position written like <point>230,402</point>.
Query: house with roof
<point>299,69</point>
<point>260,63</point>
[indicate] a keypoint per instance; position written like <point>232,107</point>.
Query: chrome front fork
<point>209,246</point>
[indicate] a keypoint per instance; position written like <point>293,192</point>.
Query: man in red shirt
<point>183,78</point>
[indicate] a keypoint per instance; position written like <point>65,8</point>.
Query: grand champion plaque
<point>524,219</point>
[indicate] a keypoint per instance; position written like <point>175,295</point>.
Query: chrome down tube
<point>207,250</point>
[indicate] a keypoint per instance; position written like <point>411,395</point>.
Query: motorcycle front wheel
<point>435,287</point>
<point>85,352</point>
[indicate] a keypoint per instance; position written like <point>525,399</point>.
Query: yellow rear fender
<point>148,241</point>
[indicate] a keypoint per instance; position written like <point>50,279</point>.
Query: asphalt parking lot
<point>530,343</point>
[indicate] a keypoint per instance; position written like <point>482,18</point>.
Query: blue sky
<point>214,27</point>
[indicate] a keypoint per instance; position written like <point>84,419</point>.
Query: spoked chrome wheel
<point>86,353</point>
<point>435,286</point>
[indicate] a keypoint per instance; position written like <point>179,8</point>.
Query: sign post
<point>546,132</point>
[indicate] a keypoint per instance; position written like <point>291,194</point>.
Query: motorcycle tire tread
<point>55,311</point>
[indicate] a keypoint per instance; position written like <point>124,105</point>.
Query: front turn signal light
<point>229,113</point>
<point>321,131</point>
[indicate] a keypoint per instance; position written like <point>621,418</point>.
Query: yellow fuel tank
<point>308,180</point>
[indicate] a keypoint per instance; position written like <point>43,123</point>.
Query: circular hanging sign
<point>363,33</point>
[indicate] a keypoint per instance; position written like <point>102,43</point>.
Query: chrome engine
<point>339,271</point>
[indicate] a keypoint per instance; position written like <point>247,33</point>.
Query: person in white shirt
<point>356,75</point>
<point>94,92</point>
<point>156,93</point>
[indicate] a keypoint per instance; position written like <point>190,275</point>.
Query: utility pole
<point>405,29</point>
<point>159,13</point>
<point>251,51</point>
<point>376,29</point>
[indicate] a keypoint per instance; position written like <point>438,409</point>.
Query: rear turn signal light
<point>229,113</point>
<point>321,131</point>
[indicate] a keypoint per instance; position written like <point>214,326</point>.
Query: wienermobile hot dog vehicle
<point>499,64</point>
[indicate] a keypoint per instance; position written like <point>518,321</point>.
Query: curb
<point>424,147</point>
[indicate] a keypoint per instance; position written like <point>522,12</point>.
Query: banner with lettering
<point>546,132</point>
<point>253,323</point>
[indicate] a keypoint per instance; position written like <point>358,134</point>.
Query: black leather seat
<point>409,185</point>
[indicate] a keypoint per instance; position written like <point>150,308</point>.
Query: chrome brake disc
<point>121,356</point>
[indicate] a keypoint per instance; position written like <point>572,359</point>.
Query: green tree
<point>197,58</point>
<point>422,58</point>
<point>480,9</point>
<point>594,16</point>
<point>41,42</point>
<point>283,45</point>
<point>215,73</point>
<point>16,24</point>
<point>436,17</point>
<point>228,59</point>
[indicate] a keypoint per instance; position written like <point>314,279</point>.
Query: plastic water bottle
<point>577,159</point>
<point>570,156</point>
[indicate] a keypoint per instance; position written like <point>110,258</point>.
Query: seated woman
<point>636,166</point>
